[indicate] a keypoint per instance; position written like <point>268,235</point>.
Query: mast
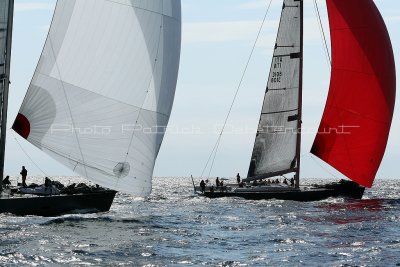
<point>299,119</point>
<point>5,80</point>
<point>277,144</point>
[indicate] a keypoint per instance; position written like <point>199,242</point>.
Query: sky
<point>217,37</point>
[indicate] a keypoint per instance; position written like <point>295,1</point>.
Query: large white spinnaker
<point>103,90</point>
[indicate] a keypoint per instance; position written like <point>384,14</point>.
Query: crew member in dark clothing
<point>217,182</point>
<point>238,178</point>
<point>47,182</point>
<point>24,173</point>
<point>203,186</point>
<point>6,181</point>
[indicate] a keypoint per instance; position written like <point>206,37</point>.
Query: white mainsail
<point>103,90</point>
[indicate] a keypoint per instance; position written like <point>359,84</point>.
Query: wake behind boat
<point>355,126</point>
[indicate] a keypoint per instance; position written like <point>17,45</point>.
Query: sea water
<point>174,227</point>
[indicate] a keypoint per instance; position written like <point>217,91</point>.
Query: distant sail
<point>103,90</point>
<point>275,145</point>
<point>355,126</point>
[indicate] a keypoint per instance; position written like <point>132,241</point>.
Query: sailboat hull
<point>313,193</point>
<point>58,204</point>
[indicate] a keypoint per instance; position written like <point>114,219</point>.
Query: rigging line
<point>215,155</point>
<point>322,32</point>
<point>322,167</point>
<point>23,150</point>
<point>132,5</point>
<point>216,146</point>
<point>209,158</point>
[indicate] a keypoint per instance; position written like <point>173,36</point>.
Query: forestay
<point>275,144</point>
<point>102,93</point>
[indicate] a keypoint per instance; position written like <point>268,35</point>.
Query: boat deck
<point>285,192</point>
<point>250,188</point>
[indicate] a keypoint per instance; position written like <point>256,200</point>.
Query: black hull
<point>58,204</point>
<point>315,193</point>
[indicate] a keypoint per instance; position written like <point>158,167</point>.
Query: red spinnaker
<point>353,133</point>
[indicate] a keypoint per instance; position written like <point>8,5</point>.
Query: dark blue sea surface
<point>176,228</point>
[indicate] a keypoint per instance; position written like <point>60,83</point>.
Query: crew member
<point>203,186</point>
<point>238,178</point>
<point>24,173</point>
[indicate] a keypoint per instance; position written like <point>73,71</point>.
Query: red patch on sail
<point>22,126</point>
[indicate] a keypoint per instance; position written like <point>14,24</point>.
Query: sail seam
<point>349,70</point>
<point>350,29</point>
<point>354,148</point>
<point>276,112</point>
<point>358,114</point>
<point>282,89</point>
<point>144,9</point>
<point>113,99</point>
<point>286,55</point>
<point>77,161</point>
<point>63,155</point>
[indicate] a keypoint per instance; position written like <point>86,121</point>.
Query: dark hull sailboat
<point>55,205</point>
<point>344,189</point>
<point>31,204</point>
<point>355,126</point>
<point>91,102</point>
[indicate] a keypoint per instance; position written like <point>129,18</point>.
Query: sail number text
<point>276,74</point>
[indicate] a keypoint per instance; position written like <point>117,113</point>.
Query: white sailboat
<point>101,95</point>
